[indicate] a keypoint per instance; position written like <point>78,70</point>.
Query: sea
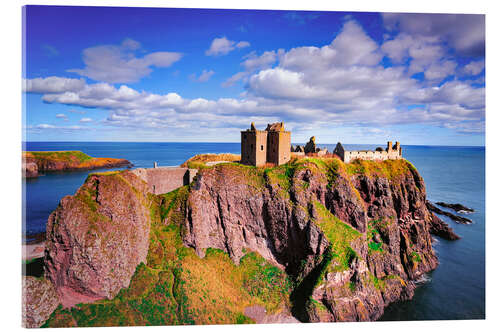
<point>454,290</point>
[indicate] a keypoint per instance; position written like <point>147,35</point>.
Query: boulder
<point>39,301</point>
<point>97,237</point>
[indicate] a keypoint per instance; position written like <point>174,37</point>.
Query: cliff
<point>313,240</point>
<point>36,162</point>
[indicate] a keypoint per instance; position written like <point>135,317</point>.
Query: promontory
<point>314,239</point>
<point>37,162</point>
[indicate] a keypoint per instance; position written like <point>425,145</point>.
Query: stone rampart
<point>165,179</point>
<point>370,155</point>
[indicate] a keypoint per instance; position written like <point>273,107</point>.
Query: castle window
<point>261,147</point>
<point>251,146</point>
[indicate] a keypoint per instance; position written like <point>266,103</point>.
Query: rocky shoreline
<point>456,218</point>
<point>342,242</point>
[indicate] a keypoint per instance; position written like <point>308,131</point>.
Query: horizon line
<point>423,145</point>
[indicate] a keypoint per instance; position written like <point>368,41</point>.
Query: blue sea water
<point>455,290</point>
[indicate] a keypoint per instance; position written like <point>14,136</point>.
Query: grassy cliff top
<point>199,161</point>
<point>63,156</point>
<point>388,168</point>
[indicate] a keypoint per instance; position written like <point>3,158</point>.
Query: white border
<point>10,60</point>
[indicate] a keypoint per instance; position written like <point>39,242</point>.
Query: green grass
<point>415,257</point>
<point>67,156</point>
<point>339,235</point>
<point>370,234</point>
<point>177,287</point>
<point>389,169</point>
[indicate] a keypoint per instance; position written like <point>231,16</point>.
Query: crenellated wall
<point>165,179</point>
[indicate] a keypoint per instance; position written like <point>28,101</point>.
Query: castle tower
<point>278,144</point>
<point>389,147</point>
<point>253,146</point>
<point>398,149</point>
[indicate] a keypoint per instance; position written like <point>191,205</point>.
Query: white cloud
<point>52,84</point>
<point>222,46</point>
<point>58,128</point>
<point>464,32</point>
<point>309,87</point>
<point>242,44</point>
<point>86,120</point>
<point>252,63</point>
<point>440,70</point>
<point>204,76</point>
<point>61,116</point>
<point>474,67</point>
<point>118,63</point>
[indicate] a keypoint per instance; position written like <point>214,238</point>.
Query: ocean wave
<point>424,278</point>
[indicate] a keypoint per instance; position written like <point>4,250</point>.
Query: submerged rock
<point>456,218</point>
<point>459,208</point>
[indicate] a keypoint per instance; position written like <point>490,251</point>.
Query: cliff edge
<point>313,240</point>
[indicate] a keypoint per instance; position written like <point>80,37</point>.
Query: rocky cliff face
<point>96,238</point>
<point>353,237</point>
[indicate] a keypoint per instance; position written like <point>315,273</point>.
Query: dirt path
<point>258,313</point>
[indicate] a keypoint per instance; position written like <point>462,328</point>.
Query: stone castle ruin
<point>258,148</point>
<point>390,153</point>
<point>309,149</point>
<point>271,146</point>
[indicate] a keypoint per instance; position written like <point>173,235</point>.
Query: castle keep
<point>269,146</point>
<point>390,153</point>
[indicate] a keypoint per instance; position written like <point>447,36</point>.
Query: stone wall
<point>253,147</point>
<point>165,179</point>
<point>278,147</point>
<point>370,155</point>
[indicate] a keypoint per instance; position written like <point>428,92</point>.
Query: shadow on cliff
<point>301,295</point>
<point>33,267</point>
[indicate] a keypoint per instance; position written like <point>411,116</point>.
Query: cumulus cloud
<point>474,67</point>
<point>119,64</point>
<point>342,83</point>
<point>222,46</point>
<point>86,120</point>
<point>52,84</point>
<point>252,63</point>
<point>464,32</point>
<point>203,77</point>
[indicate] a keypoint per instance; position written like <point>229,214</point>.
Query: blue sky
<point>157,74</point>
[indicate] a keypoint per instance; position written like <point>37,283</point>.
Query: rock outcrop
<point>35,163</point>
<point>310,147</point>
<point>39,300</point>
<point>96,238</point>
<point>380,243</point>
<point>456,218</point>
<point>30,169</point>
<point>459,208</point>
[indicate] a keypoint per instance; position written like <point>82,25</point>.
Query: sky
<point>201,75</point>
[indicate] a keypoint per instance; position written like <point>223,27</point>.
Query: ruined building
<point>390,153</point>
<point>269,146</point>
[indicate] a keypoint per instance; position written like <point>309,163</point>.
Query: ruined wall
<point>371,155</point>
<point>165,179</point>
<point>253,147</point>
<point>278,147</point>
